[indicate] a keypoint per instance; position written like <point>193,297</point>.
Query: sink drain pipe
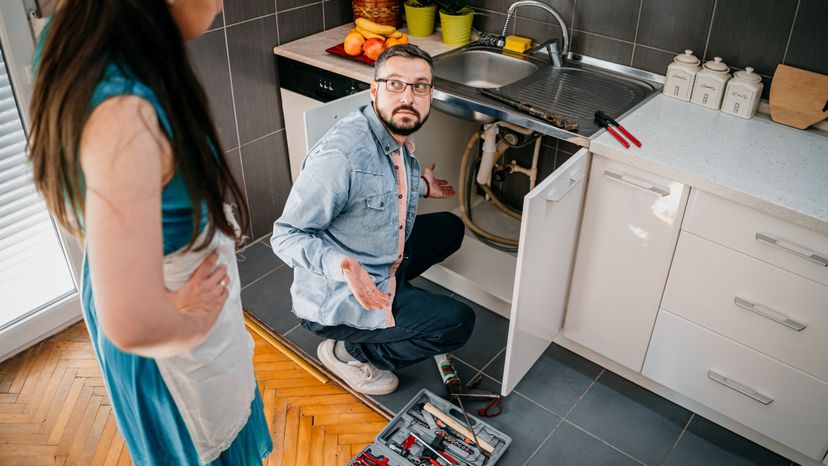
<point>492,152</point>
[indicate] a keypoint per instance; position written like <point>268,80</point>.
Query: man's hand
<point>362,286</point>
<point>436,187</point>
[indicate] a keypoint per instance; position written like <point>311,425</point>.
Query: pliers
<point>605,121</point>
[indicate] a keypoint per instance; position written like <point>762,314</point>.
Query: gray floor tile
<point>488,338</point>
<point>525,422</point>
<point>707,443</point>
<point>255,261</point>
<point>631,418</point>
<point>269,300</point>
<point>495,368</point>
<point>558,379</point>
<point>572,447</point>
<point>414,378</point>
<point>305,339</point>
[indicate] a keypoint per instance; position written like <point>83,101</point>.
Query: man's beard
<point>403,129</point>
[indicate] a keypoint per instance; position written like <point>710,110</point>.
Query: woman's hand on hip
<point>204,294</point>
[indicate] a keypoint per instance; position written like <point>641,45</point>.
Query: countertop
<point>311,50</point>
<point>768,166</point>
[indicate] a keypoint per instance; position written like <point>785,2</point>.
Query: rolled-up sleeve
<point>317,197</point>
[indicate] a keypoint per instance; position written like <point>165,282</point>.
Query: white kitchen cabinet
<point>548,233</point>
<point>631,221</point>
<point>770,397</point>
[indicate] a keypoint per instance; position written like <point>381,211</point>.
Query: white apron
<point>212,384</point>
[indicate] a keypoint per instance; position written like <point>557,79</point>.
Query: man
<point>349,232</point>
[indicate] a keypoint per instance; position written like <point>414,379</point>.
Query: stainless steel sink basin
<point>575,91</point>
<point>483,68</point>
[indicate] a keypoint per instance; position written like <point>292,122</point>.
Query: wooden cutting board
<point>798,98</point>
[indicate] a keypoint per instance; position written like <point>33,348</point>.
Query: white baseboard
<point>39,326</point>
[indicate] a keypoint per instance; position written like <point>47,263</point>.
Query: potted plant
<point>420,16</point>
<point>456,19</point>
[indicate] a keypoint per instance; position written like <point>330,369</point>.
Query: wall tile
<point>499,6</point>
<point>337,13</point>
<point>217,22</point>
<point>601,47</point>
<point>254,77</point>
<point>233,159</point>
<point>209,57</point>
<point>809,42</point>
<point>745,35</point>
<point>488,21</point>
<point>282,5</point>
<point>242,10</point>
<point>537,30</point>
<point>300,22</point>
<point>651,60</point>
<point>613,18</point>
<point>267,174</point>
<point>675,25</point>
<point>565,8</point>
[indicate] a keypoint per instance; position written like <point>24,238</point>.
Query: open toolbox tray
<point>416,418</point>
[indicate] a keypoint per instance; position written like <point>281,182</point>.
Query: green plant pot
<point>420,20</point>
<point>457,28</point>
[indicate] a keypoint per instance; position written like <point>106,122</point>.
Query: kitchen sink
<point>482,68</point>
<point>574,91</point>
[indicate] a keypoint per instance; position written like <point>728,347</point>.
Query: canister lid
<point>748,75</point>
<point>716,64</point>
<point>687,57</point>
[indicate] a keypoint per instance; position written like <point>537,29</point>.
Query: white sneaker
<point>361,376</point>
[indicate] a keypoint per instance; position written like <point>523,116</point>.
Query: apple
<point>373,48</point>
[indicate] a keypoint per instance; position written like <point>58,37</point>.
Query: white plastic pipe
<point>484,173</point>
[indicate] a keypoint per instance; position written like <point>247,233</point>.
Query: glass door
<point>38,289</point>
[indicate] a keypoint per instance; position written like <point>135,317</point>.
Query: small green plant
<point>453,7</point>
<point>420,3</point>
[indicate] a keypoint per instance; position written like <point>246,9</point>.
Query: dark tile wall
<point>236,65</point>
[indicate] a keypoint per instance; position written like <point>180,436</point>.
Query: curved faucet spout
<point>514,6</point>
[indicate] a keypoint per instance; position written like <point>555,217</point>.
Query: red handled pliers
<point>605,121</point>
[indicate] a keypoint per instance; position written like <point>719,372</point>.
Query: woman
<point>126,155</point>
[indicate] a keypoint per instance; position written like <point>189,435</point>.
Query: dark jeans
<point>426,323</point>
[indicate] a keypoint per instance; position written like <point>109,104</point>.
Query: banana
<point>394,35</point>
<point>371,26</point>
<point>368,34</point>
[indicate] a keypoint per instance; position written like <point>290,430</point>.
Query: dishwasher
<point>304,88</point>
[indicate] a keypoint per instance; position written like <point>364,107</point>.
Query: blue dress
<point>145,412</point>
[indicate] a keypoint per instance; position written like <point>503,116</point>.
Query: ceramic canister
<point>680,76</point>
<point>710,84</point>
<point>743,93</point>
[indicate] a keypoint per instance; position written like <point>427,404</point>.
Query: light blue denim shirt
<point>344,204</point>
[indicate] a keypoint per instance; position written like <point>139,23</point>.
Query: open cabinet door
<point>548,234</point>
<point>319,120</point>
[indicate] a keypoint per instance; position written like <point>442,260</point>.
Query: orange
<point>353,43</point>
<point>392,41</point>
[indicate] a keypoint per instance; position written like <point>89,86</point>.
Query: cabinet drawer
<point>755,390</point>
<point>791,247</point>
<point>764,307</point>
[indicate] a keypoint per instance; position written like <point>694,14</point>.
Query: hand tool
<point>451,440</point>
<point>606,121</point>
<point>485,446</point>
<point>556,120</point>
<point>457,389</point>
<point>366,457</point>
<point>439,454</point>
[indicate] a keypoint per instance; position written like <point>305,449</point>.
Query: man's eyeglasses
<point>396,86</point>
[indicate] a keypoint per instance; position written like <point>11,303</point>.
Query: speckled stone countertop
<point>311,50</point>
<point>770,167</point>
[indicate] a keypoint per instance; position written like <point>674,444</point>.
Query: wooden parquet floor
<point>54,409</point>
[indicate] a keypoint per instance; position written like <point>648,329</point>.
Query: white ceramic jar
<point>680,76</point>
<point>709,87</point>
<point>743,93</point>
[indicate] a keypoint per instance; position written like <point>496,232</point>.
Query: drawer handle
<point>743,389</point>
<point>771,314</point>
<point>641,184</point>
<point>793,249</point>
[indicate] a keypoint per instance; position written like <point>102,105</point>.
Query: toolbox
<point>430,431</point>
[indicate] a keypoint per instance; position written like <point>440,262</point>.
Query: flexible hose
<point>464,211</point>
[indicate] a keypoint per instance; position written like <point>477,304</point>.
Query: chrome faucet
<point>556,54</point>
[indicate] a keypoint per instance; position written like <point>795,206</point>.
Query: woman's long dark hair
<point>83,37</point>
